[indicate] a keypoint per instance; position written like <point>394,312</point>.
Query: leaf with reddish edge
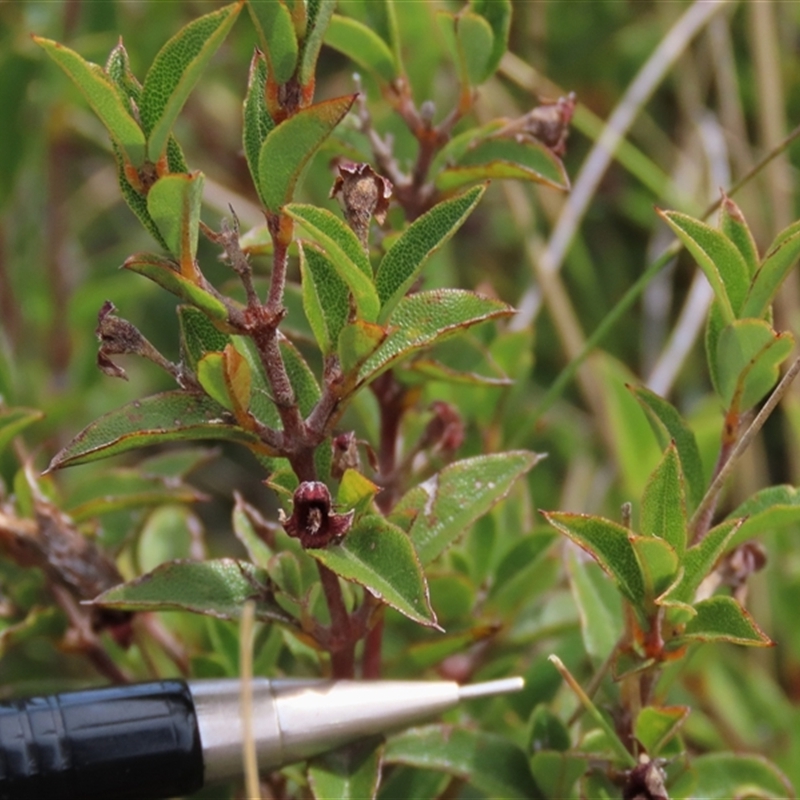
<point>175,71</point>
<point>609,544</point>
<point>166,417</point>
<point>277,37</point>
<point>173,203</point>
<point>459,494</point>
<point>363,46</point>
<point>766,510</point>
<point>163,272</point>
<point>290,146</point>
<point>722,619</point>
<point>422,319</point>
<point>257,122</point>
<point>379,556</point>
<point>733,224</point>
<point>404,260</point>
<point>326,298</point>
<point>780,259</point>
<point>217,588</point>
<point>664,503</point>
<point>357,342</point>
<point>319,15</point>
<point>103,97</point>
<point>199,335</point>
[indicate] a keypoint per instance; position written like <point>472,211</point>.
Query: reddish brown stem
<point>341,644</point>
<point>371,662</point>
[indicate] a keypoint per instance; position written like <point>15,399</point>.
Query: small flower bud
<point>312,521</point>
<point>345,454</point>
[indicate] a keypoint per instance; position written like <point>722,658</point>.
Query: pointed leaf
<point>14,421</point>
<point>427,317</point>
<point>276,35</point>
<point>658,562</point>
<point>257,122</point>
<point>379,556</point>
<point>498,14</point>
<point>722,776</point>
<point>766,510</point>
<point>493,765</point>
<point>700,559</point>
<point>344,252</point>
<point>301,377</point>
<point>167,417</point>
<point>499,158</point>
<point>319,15</point>
<point>198,335</point>
<point>749,356</point>
<point>665,417</point>
<point>733,224</point>
<point>722,619</point>
<point>609,544</point>
<point>781,257</point>
<point>451,500</point>
<point>257,549</point>
<point>102,96</point>
<point>326,298</point>
<point>176,69</point>
<point>404,260</point>
<point>289,147</point>
<point>135,200</point>
<point>215,588</point>
<point>656,725</point>
<point>351,772</point>
<point>363,46</point>
<point>664,504</point>
<point>173,203</point>
<point>355,492</point>
<point>163,272</point>
<point>717,256</point>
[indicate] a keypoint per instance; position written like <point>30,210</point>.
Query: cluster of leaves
<point>360,575</point>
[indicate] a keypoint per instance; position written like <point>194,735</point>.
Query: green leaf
<point>404,260</point>
<point>722,619</point>
<point>714,327</point>
<point>767,509</point>
<point>356,491</point>
<point>211,374</point>
<point>326,298</point>
<point>276,35</point>
<point>103,97</point>
<point>351,772</point>
<point>547,731</point>
<point>488,762</point>
<point>475,41</point>
<point>319,15</point>
<point>305,386</point>
<point>717,256</point>
<point>721,776</point>
<point>556,773</point>
<point>173,203</point>
<point>665,418</point>
<point>461,493</point>
<point>136,201</point>
<point>664,503</point>
<point>749,355</point>
<point>289,147</point>
<point>498,14</point>
<point>199,336</point>
<point>700,559</point>
<point>166,417</point>
<point>379,556</point>
<point>499,158</point>
<point>601,621</point>
<point>781,257</point>
<point>13,421</point>
<point>176,69</point>
<point>658,562</point>
<point>163,272</point>
<point>118,69</point>
<point>427,317</point>
<point>257,549</point>
<point>257,122</point>
<point>344,253</point>
<point>217,588</point>
<point>733,224</point>
<point>656,725</point>
<point>357,342</point>
<point>363,46</point>
<point>609,544</point>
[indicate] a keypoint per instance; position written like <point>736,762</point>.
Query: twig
<point>249,758</point>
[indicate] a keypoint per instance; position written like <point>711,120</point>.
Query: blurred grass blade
<point>14,421</point>
<point>362,46</point>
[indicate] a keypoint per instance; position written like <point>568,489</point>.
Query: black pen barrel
<point>121,742</point>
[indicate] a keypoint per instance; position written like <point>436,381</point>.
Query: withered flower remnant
<point>312,520</point>
<point>363,194</point>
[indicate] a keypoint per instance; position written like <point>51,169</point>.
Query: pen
<point>170,738</point>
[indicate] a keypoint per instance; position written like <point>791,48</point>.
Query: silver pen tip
<point>490,688</point>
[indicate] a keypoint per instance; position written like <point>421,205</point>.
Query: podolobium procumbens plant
<point>322,352</point>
